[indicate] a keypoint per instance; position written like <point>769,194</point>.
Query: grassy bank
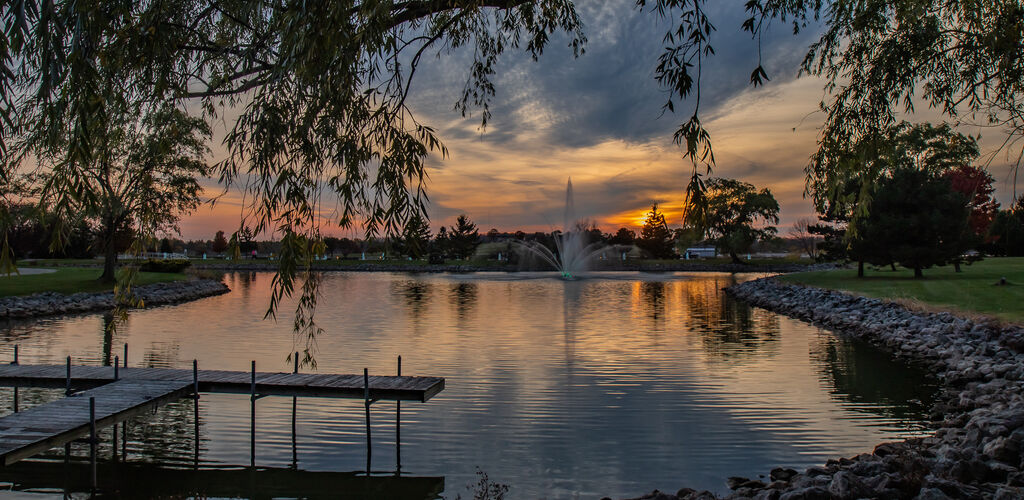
<point>972,291</point>
<point>71,280</point>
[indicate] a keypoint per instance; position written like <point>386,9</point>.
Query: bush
<point>164,265</point>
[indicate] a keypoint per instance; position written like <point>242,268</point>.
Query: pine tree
<point>416,237</point>
<point>463,238</point>
<point>655,238</point>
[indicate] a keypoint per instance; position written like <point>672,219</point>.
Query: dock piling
<point>15,401</point>
<point>366,404</point>
<point>295,404</point>
<point>195,410</point>
<point>398,427</point>
<point>67,387</point>
<point>117,365</point>
<point>92,440</point>
<point>126,355</point>
<point>252,418</point>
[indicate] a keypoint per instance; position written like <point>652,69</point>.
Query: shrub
<point>164,265</point>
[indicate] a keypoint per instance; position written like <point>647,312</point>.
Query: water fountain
<point>572,253</point>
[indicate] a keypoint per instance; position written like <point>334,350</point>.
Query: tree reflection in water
<point>729,328</point>
<point>871,380</point>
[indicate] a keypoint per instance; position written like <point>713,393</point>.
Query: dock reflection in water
<point>612,385</point>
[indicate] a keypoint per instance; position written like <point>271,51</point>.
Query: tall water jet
<point>573,252</point>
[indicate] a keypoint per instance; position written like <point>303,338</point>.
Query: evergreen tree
<point>220,243</point>
<point>655,237</point>
<point>463,238</point>
<point>1006,234</point>
<point>624,236</point>
<point>416,237</point>
<point>916,220</point>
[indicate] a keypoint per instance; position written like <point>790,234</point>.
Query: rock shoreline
<point>51,303</point>
<point>977,448</point>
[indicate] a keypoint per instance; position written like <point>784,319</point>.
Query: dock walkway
<point>393,388</point>
<point>53,424</point>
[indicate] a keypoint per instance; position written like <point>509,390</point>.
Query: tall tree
<point>655,237</point>
<point>624,236</point>
<point>738,215</point>
<point>976,186</point>
<point>140,178</point>
<point>220,243</point>
<point>463,238</point>
<point>917,220</point>
<point>416,237</point>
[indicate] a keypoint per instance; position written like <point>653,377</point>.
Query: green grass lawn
<point>971,291</point>
<point>71,280</point>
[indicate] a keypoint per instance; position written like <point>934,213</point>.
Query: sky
<point>598,120</point>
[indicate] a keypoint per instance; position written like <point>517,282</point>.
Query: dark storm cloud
<point>609,92</point>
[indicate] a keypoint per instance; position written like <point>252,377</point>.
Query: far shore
<point>454,266</point>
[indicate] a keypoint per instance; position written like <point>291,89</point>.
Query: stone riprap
<point>50,303</point>
<point>977,448</point>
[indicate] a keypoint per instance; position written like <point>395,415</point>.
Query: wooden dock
<point>392,388</point>
<point>50,425</point>
<point>111,394</point>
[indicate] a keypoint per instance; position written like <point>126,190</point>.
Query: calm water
<point>614,385</point>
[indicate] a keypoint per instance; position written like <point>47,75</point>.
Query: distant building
<point>700,253</point>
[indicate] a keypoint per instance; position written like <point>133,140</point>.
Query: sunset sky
<point>596,119</point>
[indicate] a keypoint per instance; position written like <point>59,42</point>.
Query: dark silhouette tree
<point>416,237</point>
<point>1006,234</point>
<point>624,236</point>
<point>220,243</point>
<point>738,215</point>
<point>917,220</point>
<point>655,237</point>
<point>463,238</point>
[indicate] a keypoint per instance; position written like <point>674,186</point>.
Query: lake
<point>612,385</point>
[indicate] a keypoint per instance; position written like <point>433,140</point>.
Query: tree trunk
<point>109,254</point>
<point>860,269</point>
<point>956,265</point>
<point>892,265</point>
<point>917,272</point>
<point>735,258</point>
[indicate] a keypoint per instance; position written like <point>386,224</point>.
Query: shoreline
<point>44,304</point>
<point>470,267</point>
<point>977,448</point>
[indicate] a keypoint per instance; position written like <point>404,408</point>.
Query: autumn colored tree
<point>976,186</point>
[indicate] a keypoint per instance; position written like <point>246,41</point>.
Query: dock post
<point>366,403</point>
<point>67,386</point>
<point>295,403</point>
<point>92,441</point>
<point>113,448</point>
<point>252,418</point>
<point>126,355</point>
<point>15,355</point>
<point>15,387</point>
<point>195,408</point>
<point>117,365</point>
<point>398,428</point>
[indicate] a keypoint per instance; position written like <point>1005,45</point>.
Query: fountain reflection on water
<point>572,253</point>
